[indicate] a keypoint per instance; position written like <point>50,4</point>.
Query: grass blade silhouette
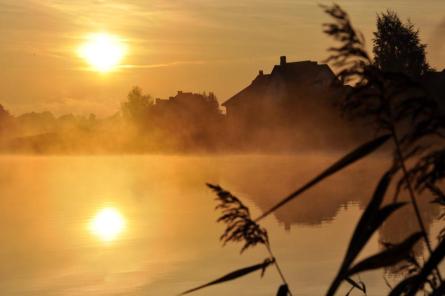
<point>430,265</point>
<point>367,228</point>
<point>360,286</point>
<point>440,291</point>
<point>371,219</point>
<point>240,227</point>
<point>404,286</point>
<point>388,257</point>
<point>283,290</point>
<point>348,159</point>
<point>234,275</point>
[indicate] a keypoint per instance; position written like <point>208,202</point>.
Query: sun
<point>107,224</point>
<point>102,51</point>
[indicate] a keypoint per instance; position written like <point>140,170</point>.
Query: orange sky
<point>190,45</point>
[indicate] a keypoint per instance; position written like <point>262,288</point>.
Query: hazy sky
<point>189,45</point>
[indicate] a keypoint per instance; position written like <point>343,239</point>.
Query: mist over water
<point>169,242</point>
<point>289,110</point>
<point>326,166</point>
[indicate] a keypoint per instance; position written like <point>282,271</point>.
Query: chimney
<point>179,92</point>
<point>282,60</point>
<point>261,73</point>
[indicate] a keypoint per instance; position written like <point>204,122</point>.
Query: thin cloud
<point>196,62</point>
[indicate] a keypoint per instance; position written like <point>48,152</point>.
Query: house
<point>194,103</point>
<point>193,120</point>
<point>294,102</point>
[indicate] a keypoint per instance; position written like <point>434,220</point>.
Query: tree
<point>4,114</point>
<point>138,106</point>
<point>397,47</point>
<point>5,119</point>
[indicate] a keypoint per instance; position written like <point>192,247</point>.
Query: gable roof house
<point>295,103</point>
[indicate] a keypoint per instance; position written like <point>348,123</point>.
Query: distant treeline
<point>190,123</point>
<point>187,122</point>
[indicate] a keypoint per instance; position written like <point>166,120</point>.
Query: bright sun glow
<point>102,51</point>
<point>107,224</point>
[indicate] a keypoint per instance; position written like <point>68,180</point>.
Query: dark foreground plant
<point>241,228</point>
<point>403,112</point>
<point>396,104</point>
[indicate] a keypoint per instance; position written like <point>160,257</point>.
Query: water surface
<point>170,239</point>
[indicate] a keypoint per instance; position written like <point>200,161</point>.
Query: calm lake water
<point>168,239</point>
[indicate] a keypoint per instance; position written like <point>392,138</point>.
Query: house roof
<point>302,71</point>
<point>259,83</point>
<point>298,69</point>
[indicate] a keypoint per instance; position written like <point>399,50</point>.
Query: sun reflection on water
<point>107,224</point>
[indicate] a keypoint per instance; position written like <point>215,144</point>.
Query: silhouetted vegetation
<point>137,107</point>
<point>397,46</point>
<point>402,113</point>
<point>185,122</point>
<point>272,114</point>
<point>242,228</point>
<point>6,120</point>
<point>188,122</point>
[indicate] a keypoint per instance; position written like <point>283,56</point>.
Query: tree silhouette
<point>5,119</point>
<point>137,106</point>
<point>397,47</point>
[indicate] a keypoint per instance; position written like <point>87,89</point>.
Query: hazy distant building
<point>194,103</point>
<point>295,103</point>
<point>191,120</point>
